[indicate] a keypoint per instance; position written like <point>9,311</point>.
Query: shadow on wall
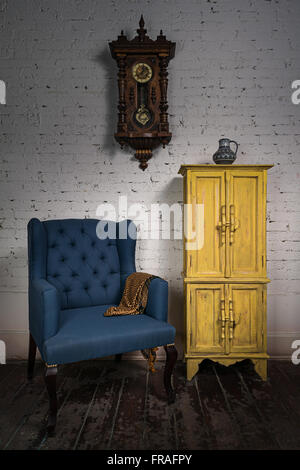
<point>173,194</point>
<point>176,314</point>
<point>111,99</point>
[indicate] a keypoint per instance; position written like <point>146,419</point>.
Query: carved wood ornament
<point>142,82</point>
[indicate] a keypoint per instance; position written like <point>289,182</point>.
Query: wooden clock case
<point>156,54</point>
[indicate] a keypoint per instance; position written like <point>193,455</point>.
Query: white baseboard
<point>2,352</point>
<point>279,345</point>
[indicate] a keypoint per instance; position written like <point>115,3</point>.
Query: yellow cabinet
<point>225,264</point>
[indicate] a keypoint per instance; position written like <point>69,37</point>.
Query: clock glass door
<point>142,74</point>
<point>143,115</point>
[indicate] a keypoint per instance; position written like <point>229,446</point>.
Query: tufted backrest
<point>85,269</point>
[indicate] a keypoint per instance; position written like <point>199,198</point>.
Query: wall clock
<point>142,82</point>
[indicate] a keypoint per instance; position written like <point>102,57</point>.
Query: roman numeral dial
<point>142,72</point>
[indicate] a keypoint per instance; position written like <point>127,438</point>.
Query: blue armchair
<point>74,276</point>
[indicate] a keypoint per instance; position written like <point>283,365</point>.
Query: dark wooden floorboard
<point>18,398</point>
<point>33,431</point>
<point>5,371</point>
<point>286,378</point>
<point>114,388</point>
<point>191,426</point>
<point>129,422</point>
<point>273,413</point>
<point>159,426</point>
<point>100,412</point>
<point>109,405</point>
<point>222,427</point>
<point>11,382</point>
<point>252,433</point>
<point>74,407</point>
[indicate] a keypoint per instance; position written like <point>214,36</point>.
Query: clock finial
<point>141,31</point>
<point>161,36</point>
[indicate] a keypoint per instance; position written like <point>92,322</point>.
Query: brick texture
<point>231,76</point>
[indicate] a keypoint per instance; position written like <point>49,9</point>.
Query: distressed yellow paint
<point>207,189</point>
<point>225,281</point>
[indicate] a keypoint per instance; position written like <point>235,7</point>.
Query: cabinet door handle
<point>231,320</point>
<point>234,224</point>
<point>223,320</point>
<point>222,225</point>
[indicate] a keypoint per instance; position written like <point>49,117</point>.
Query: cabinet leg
<point>50,381</point>
<point>260,366</point>
<point>118,357</point>
<point>192,366</point>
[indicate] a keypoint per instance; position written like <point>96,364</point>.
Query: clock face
<point>142,72</point>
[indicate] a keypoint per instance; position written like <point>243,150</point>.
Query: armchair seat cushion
<point>85,333</point>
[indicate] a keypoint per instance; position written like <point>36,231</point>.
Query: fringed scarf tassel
<point>150,355</point>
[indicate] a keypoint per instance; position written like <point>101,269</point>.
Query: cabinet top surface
<point>209,166</point>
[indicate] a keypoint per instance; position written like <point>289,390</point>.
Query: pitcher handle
<point>236,146</point>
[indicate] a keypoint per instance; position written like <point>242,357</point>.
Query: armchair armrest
<point>157,305</point>
<point>44,308</point>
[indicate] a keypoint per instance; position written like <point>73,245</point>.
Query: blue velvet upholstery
<point>74,276</point>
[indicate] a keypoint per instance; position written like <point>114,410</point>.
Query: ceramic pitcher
<point>224,154</point>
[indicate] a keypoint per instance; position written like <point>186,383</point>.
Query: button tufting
<point>72,243</point>
<point>93,243</point>
<point>74,274</point>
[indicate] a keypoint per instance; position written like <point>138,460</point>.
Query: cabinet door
<point>246,318</point>
<point>204,241</point>
<point>204,314</point>
<point>246,228</point>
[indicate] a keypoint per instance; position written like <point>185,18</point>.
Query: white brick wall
<point>231,76</point>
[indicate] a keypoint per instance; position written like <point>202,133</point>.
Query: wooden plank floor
<point>109,405</point>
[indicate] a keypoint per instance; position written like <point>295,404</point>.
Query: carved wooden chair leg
<point>118,357</point>
<point>31,357</point>
<point>50,380</point>
<point>171,353</point>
